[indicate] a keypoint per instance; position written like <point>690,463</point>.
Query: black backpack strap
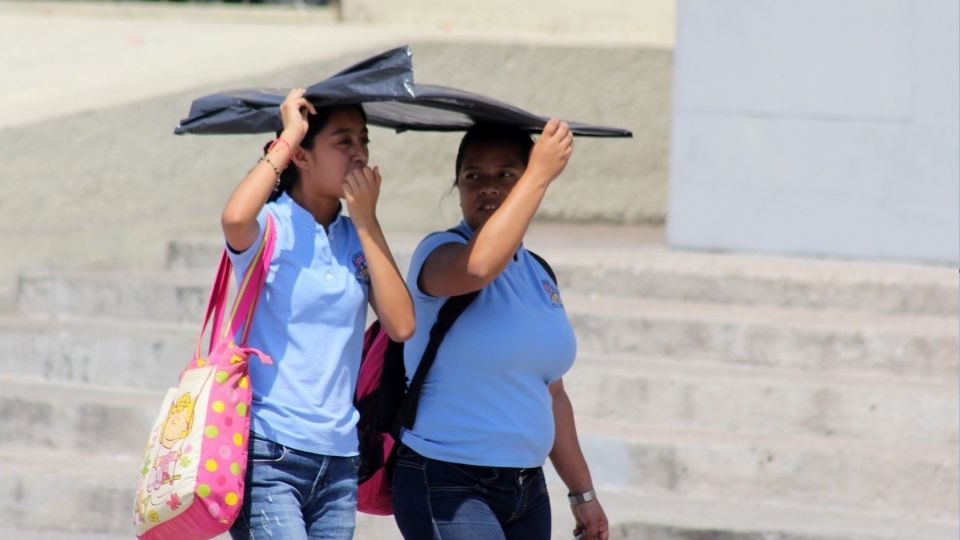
<point>393,385</point>
<point>459,233</point>
<point>448,314</point>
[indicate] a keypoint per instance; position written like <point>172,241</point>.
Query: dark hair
<point>494,133</point>
<point>315,124</point>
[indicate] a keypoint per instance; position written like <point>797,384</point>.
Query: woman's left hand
<point>591,521</point>
<point>361,188</point>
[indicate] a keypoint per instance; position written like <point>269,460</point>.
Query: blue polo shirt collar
<point>301,214</point>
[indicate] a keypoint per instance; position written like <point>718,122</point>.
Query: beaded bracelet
<point>276,171</point>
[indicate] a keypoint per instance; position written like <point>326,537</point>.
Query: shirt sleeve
<point>243,259</point>
<point>420,255</point>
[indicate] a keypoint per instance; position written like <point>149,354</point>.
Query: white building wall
<point>817,127</point>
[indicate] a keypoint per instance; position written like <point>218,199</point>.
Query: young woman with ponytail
<point>326,267</point>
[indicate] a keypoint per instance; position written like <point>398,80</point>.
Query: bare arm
<point>454,269</point>
<point>388,293</point>
<point>568,460</point>
<point>239,217</point>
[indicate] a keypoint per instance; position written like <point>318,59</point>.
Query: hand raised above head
<point>293,114</point>
<point>552,151</point>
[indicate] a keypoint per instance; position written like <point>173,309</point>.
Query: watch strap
<point>580,498</point>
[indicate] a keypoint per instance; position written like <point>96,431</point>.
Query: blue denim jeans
<point>295,495</point>
<point>448,501</point>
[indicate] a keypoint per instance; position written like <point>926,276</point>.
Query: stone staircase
<point>717,396</point>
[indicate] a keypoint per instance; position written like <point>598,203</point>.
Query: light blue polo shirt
<point>486,399</point>
<point>310,319</point>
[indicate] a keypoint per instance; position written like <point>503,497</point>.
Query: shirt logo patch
<point>360,266</point>
<point>552,293</point>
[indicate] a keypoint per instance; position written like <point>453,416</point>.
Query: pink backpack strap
<point>247,293</point>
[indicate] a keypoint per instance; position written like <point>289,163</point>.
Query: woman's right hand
<point>551,152</point>
<point>293,114</point>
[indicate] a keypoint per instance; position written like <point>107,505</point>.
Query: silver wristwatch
<point>580,498</point>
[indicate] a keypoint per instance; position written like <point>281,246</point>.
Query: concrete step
<point>68,491</point>
<point>158,296</point>
<point>714,398</point>
<point>705,278</point>
<point>24,534</point>
<point>897,479</point>
<point>123,353</point>
<point>75,496</point>
<point>819,341</point>
<point>827,340</point>
<point>637,515</point>
<point>586,264</point>
<point>913,477</point>
<point>612,260</point>
<point>128,351</point>
<point>655,393</point>
<point>89,419</point>
<point>757,400</point>
<point>46,496</point>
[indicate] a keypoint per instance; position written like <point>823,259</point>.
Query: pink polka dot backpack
<point>191,482</point>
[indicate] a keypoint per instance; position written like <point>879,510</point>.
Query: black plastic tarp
<point>385,87</point>
<point>387,76</point>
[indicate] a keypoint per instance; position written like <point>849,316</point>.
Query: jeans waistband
<point>503,472</point>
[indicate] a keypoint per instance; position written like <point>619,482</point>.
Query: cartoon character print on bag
<point>165,454</point>
<point>174,431</point>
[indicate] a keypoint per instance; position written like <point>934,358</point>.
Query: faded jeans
<point>295,495</point>
<point>449,501</point>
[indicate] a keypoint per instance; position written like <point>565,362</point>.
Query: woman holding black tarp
<point>492,407</point>
<point>302,476</point>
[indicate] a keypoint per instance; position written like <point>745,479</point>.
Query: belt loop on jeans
<point>523,474</point>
